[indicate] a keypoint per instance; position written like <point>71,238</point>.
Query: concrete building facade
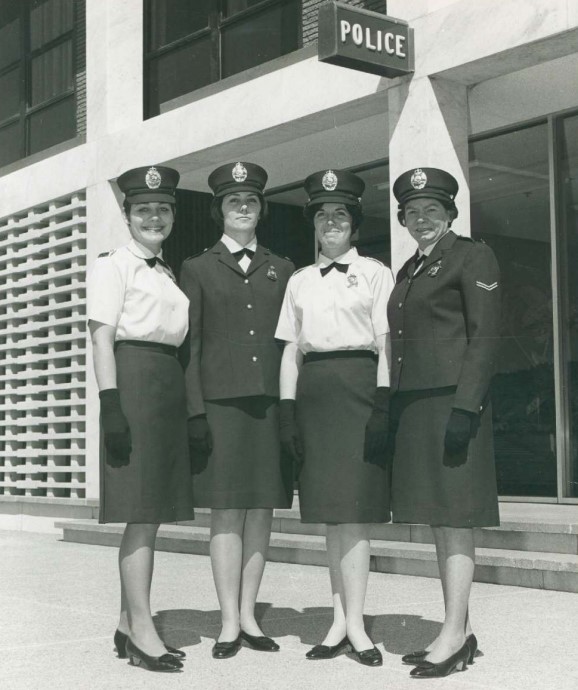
<point>493,98</point>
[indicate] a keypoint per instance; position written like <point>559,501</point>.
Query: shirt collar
<point>233,246</point>
<point>348,258</point>
<point>141,252</point>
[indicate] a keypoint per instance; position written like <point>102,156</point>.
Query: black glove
<point>457,438</point>
<point>376,429</point>
<point>200,437</point>
<point>289,433</point>
<point>115,427</point>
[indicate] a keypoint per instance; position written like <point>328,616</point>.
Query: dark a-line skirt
<point>334,402</point>
<point>246,468</point>
<point>155,486</point>
<point>425,489</point>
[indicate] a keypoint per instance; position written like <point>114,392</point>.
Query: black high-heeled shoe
<point>368,657</point>
<point>456,662</point>
<point>323,651</point>
<point>120,640</point>
<point>414,658</point>
<point>261,643</point>
<point>166,663</point>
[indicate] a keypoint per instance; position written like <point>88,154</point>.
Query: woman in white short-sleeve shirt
<point>138,317</point>
<point>335,399</point>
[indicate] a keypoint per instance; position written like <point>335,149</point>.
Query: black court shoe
<point>369,657</point>
<point>225,650</point>
<point>455,662</point>
<point>261,643</point>
<point>166,663</point>
<point>323,651</point>
<point>120,640</point>
<point>415,658</point>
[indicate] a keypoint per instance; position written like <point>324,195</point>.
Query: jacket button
<point>249,306</point>
<point>400,332</point>
<point>246,281</point>
<point>400,305</point>
<point>254,358</point>
<point>251,332</point>
<point>399,359</point>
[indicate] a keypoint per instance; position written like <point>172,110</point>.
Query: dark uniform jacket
<point>445,321</point>
<point>233,315</point>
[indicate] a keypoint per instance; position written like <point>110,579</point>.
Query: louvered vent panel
<point>43,350</point>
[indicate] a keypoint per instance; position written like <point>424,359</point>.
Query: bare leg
<point>136,561</point>
<point>226,560</point>
<point>256,535</point>
<point>354,549</point>
<point>459,573</point>
<point>338,628</point>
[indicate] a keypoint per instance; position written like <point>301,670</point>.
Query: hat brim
<point>239,187</point>
<point>150,196</point>
<point>427,194</point>
<point>333,198</point>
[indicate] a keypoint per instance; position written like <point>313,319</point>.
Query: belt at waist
<point>338,354</point>
<point>146,345</point>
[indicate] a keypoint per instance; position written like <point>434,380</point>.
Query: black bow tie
<point>151,263</point>
<point>243,252</point>
<point>342,268</point>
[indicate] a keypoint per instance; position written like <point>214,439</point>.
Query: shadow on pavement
<point>398,633</point>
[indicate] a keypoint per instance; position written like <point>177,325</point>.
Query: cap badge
<point>329,181</point>
<point>153,178</point>
<point>239,172</point>
<point>418,179</point>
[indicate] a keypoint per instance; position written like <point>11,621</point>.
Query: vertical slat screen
<point>43,350</point>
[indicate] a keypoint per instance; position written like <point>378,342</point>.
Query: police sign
<point>364,40</point>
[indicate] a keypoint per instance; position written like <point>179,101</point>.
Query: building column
<point>114,65</point>
<point>428,125</point>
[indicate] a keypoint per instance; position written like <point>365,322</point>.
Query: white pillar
<point>428,126</point>
<point>114,65</point>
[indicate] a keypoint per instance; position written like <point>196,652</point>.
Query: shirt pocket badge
<point>352,280</point>
<point>271,273</point>
<point>435,269</point>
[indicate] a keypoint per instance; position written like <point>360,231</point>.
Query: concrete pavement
<point>59,602</point>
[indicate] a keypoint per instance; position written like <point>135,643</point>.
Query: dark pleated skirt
<point>424,489</point>
<point>156,484</point>
<point>246,468</point>
<point>334,402</point>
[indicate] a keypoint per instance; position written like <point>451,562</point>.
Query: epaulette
<point>194,256</point>
<point>277,255</point>
<point>299,270</point>
<point>465,237</point>
<point>371,258</point>
<point>109,253</point>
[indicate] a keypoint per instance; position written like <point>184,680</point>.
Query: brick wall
<point>311,7</point>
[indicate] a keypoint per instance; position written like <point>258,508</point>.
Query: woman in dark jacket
<point>235,290</point>
<point>444,314</point>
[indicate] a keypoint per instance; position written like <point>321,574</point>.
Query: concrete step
<point>516,533</point>
<point>534,569</point>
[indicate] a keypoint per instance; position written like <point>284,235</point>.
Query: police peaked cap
<point>149,183</point>
<point>238,177</point>
<point>420,183</point>
<point>334,186</point>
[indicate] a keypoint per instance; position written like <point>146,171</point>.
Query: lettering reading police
<point>393,44</point>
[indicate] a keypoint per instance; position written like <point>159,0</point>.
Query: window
<point>510,211</point>
<point>37,75</point>
<point>191,44</point>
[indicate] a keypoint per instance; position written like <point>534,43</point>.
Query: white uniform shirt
<point>233,246</point>
<point>338,311</point>
<point>141,302</point>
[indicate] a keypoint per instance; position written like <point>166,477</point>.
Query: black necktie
<point>151,263</point>
<point>417,264</point>
<point>243,252</point>
<point>342,268</point>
